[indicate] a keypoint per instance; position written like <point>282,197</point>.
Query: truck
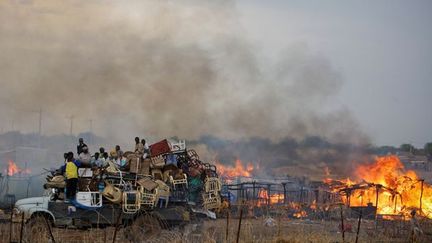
<point>141,204</point>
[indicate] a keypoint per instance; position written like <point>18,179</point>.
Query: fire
<point>299,212</point>
<point>239,170</point>
<point>13,169</point>
<point>264,198</point>
<point>385,182</point>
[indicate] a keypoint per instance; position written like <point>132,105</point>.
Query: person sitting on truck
<point>105,156</point>
<point>85,157</point>
<point>71,174</point>
<point>96,161</point>
<point>119,151</point>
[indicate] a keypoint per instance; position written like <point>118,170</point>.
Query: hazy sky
<point>383,50</point>
<point>350,71</point>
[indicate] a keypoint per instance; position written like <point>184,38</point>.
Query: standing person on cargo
<point>71,173</point>
<point>139,147</point>
<point>80,146</point>
<point>146,149</point>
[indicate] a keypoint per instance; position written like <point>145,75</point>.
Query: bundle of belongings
<point>170,173</point>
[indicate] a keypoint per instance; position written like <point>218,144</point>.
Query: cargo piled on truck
<point>164,182</point>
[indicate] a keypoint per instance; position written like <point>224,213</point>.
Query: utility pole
<point>40,121</point>
<point>71,118</point>
<point>91,130</point>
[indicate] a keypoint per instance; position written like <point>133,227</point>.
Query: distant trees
<point>406,147</point>
<point>428,148</point>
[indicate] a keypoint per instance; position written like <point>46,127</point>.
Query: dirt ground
<point>252,230</point>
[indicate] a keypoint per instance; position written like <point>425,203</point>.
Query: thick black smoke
<point>158,69</point>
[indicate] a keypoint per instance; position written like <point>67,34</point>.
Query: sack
<point>112,168</point>
<point>56,182</point>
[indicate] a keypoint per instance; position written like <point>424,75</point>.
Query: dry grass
<point>252,230</point>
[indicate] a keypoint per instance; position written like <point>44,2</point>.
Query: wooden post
<point>285,192</point>
<point>377,188</point>
<point>268,195</point>
<point>342,223</point>
<point>49,229</point>
<point>358,225</point>
<point>395,206</point>
<point>227,226</point>
<point>117,224</point>
<point>239,223</point>
<point>11,224</point>
<point>253,192</point>
<point>421,196</point>
<point>22,227</point>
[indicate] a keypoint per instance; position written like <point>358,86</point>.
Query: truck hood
<point>31,200</point>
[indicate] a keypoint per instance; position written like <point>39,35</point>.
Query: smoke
<point>159,69</point>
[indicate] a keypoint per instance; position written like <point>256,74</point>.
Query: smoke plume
<point>159,69</point>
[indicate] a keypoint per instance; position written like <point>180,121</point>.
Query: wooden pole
<point>395,206</point>
<point>377,187</point>
<point>239,223</point>
<point>11,224</point>
<point>421,196</point>
<point>117,225</point>
<point>342,223</point>
<point>358,225</point>
<point>22,227</point>
<point>49,229</point>
<point>227,226</point>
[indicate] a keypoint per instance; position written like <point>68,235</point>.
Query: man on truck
<point>71,173</point>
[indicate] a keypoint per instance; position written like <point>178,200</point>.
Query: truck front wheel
<point>38,228</point>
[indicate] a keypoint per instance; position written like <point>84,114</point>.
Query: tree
<point>406,147</point>
<point>428,148</point>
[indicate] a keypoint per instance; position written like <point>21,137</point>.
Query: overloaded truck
<point>170,187</point>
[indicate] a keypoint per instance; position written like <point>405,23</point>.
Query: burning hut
<point>385,189</point>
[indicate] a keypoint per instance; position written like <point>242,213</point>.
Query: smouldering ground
<point>252,230</point>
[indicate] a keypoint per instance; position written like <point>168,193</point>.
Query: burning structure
<point>382,188</point>
<point>387,186</point>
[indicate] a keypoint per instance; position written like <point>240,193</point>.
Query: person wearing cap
<point>80,146</point>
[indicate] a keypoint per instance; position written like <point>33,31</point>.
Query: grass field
<point>252,230</point>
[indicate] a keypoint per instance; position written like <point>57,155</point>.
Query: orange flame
<point>399,191</point>
<point>13,169</point>
<point>239,170</point>
<point>263,197</point>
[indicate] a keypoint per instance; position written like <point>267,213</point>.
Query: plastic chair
<point>131,201</point>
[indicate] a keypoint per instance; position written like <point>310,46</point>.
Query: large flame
<point>13,169</point>
<point>239,170</point>
<point>385,182</point>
